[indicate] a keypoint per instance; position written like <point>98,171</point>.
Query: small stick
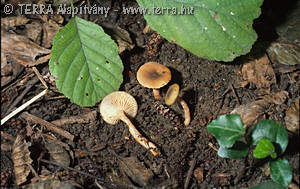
<point>6,147</point>
<point>16,111</point>
<point>235,94</point>
<point>19,98</point>
<point>72,169</point>
<point>83,118</point>
<point>212,146</point>
<point>190,172</point>
<point>40,77</point>
<point>48,125</point>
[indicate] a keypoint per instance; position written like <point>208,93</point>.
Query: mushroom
<point>117,106</point>
<point>173,95</point>
<point>154,75</point>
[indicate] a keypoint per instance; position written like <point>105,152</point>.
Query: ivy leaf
<point>85,62</point>
<point>274,132</point>
<point>281,171</point>
<point>238,150</point>
<point>263,149</point>
<point>227,129</point>
<point>211,29</point>
<point>268,184</point>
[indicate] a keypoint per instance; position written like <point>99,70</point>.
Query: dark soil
<point>202,84</point>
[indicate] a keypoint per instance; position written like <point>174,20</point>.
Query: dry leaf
<point>50,28</point>
<point>277,98</point>
<point>259,72</point>
<point>34,31</point>
<point>57,152</point>
<point>292,116</point>
<point>120,35</point>
<point>23,50</point>
<point>198,174</point>
<point>50,184</point>
<point>134,169</point>
<point>21,159</point>
<point>251,112</point>
<point>13,21</point>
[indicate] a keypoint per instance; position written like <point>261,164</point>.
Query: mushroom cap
<point>172,94</point>
<point>114,104</point>
<point>153,75</point>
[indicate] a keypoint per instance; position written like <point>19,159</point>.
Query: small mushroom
<point>154,75</point>
<point>173,95</point>
<point>117,106</point>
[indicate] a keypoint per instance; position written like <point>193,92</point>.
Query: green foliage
<point>272,131</point>
<point>281,171</point>
<point>227,129</point>
<point>85,62</point>
<point>263,149</point>
<point>268,184</point>
<point>238,150</point>
<point>216,29</point>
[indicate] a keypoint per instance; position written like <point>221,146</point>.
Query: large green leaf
<point>272,131</point>
<point>281,171</point>
<point>216,29</point>
<point>227,129</point>
<point>238,150</point>
<point>263,149</point>
<point>85,62</point>
<point>268,184</point>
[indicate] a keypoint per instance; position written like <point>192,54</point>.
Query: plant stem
<point>71,2</point>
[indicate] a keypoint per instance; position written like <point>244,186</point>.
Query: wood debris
<point>260,73</point>
<point>21,159</point>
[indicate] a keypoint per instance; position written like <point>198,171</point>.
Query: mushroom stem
<point>138,136</point>
<point>187,116</point>
<point>156,94</point>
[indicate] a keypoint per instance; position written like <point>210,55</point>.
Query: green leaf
<point>215,29</point>
<point>227,129</point>
<point>268,184</point>
<point>281,171</point>
<point>238,150</point>
<point>85,62</point>
<point>263,149</point>
<point>274,132</point>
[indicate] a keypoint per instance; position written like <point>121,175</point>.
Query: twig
<point>97,184</point>
<point>19,98</point>
<point>40,77</point>
<point>72,169</point>
<point>83,118</point>
<point>212,146</point>
<point>12,114</point>
<point>48,125</point>
<point>235,94</point>
<point>190,172</point>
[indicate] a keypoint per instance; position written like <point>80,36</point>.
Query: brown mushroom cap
<point>117,102</point>
<point>153,75</point>
<point>172,94</point>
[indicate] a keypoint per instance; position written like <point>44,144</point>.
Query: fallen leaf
<point>57,152</point>
<point>277,98</point>
<point>121,36</point>
<point>34,31</point>
<point>50,28</point>
<point>251,112</point>
<point>21,159</point>
<point>23,50</point>
<point>134,169</point>
<point>13,21</point>
<point>198,174</point>
<point>292,116</point>
<point>50,184</point>
<point>260,73</point>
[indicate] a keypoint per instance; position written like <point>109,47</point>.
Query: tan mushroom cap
<point>116,102</point>
<point>153,75</point>
<point>172,94</point>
